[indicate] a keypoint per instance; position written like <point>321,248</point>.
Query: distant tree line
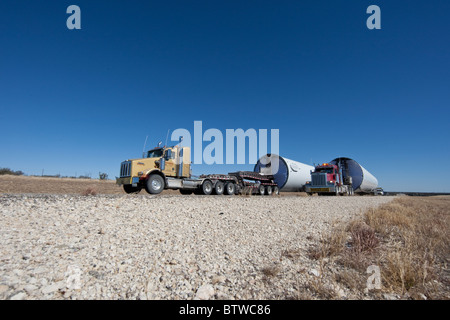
<point>9,171</point>
<point>3,171</point>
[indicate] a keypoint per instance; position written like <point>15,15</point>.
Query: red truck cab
<point>332,173</point>
<point>327,179</point>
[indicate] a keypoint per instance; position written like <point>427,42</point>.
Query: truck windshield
<point>325,170</point>
<point>155,153</point>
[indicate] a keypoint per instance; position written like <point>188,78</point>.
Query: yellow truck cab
<point>153,171</point>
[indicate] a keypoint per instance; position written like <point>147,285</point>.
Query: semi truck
<point>328,178</point>
<point>170,168</point>
<point>342,176</point>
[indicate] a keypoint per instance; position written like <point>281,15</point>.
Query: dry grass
<point>407,238</point>
<point>44,185</point>
<point>363,237</point>
<point>331,245</point>
<point>416,232</point>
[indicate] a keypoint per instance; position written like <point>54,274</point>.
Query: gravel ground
<point>165,246</point>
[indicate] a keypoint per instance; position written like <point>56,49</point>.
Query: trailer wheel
<point>128,188</point>
<point>261,190</point>
<point>269,190</point>
<point>218,188</point>
<point>276,190</point>
<point>207,187</point>
<point>154,184</point>
<point>230,188</point>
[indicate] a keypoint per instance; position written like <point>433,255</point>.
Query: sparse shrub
<point>363,237</point>
<point>102,176</point>
<point>292,254</point>
<point>270,271</point>
<point>331,244</point>
<point>320,289</point>
<point>89,192</point>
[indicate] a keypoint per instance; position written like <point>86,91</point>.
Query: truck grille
<point>319,179</point>
<point>125,169</point>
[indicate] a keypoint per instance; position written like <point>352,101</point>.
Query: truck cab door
<point>169,163</point>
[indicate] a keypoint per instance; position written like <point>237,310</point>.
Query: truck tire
<point>275,190</point>
<point>269,190</point>
<point>261,190</point>
<point>218,188</point>
<point>229,189</point>
<point>128,188</point>
<point>207,187</point>
<point>154,184</point>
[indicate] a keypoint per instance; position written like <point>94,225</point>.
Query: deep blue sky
<point>81,101</point>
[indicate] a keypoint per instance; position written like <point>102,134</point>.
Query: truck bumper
<point>127,180</point>
<point>312,189</point>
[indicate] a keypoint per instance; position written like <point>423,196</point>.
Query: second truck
<point>329,179</point>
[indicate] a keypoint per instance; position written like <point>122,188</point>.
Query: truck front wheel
<point>154,184</point>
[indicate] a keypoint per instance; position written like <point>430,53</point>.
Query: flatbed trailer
<point>240,182</point>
